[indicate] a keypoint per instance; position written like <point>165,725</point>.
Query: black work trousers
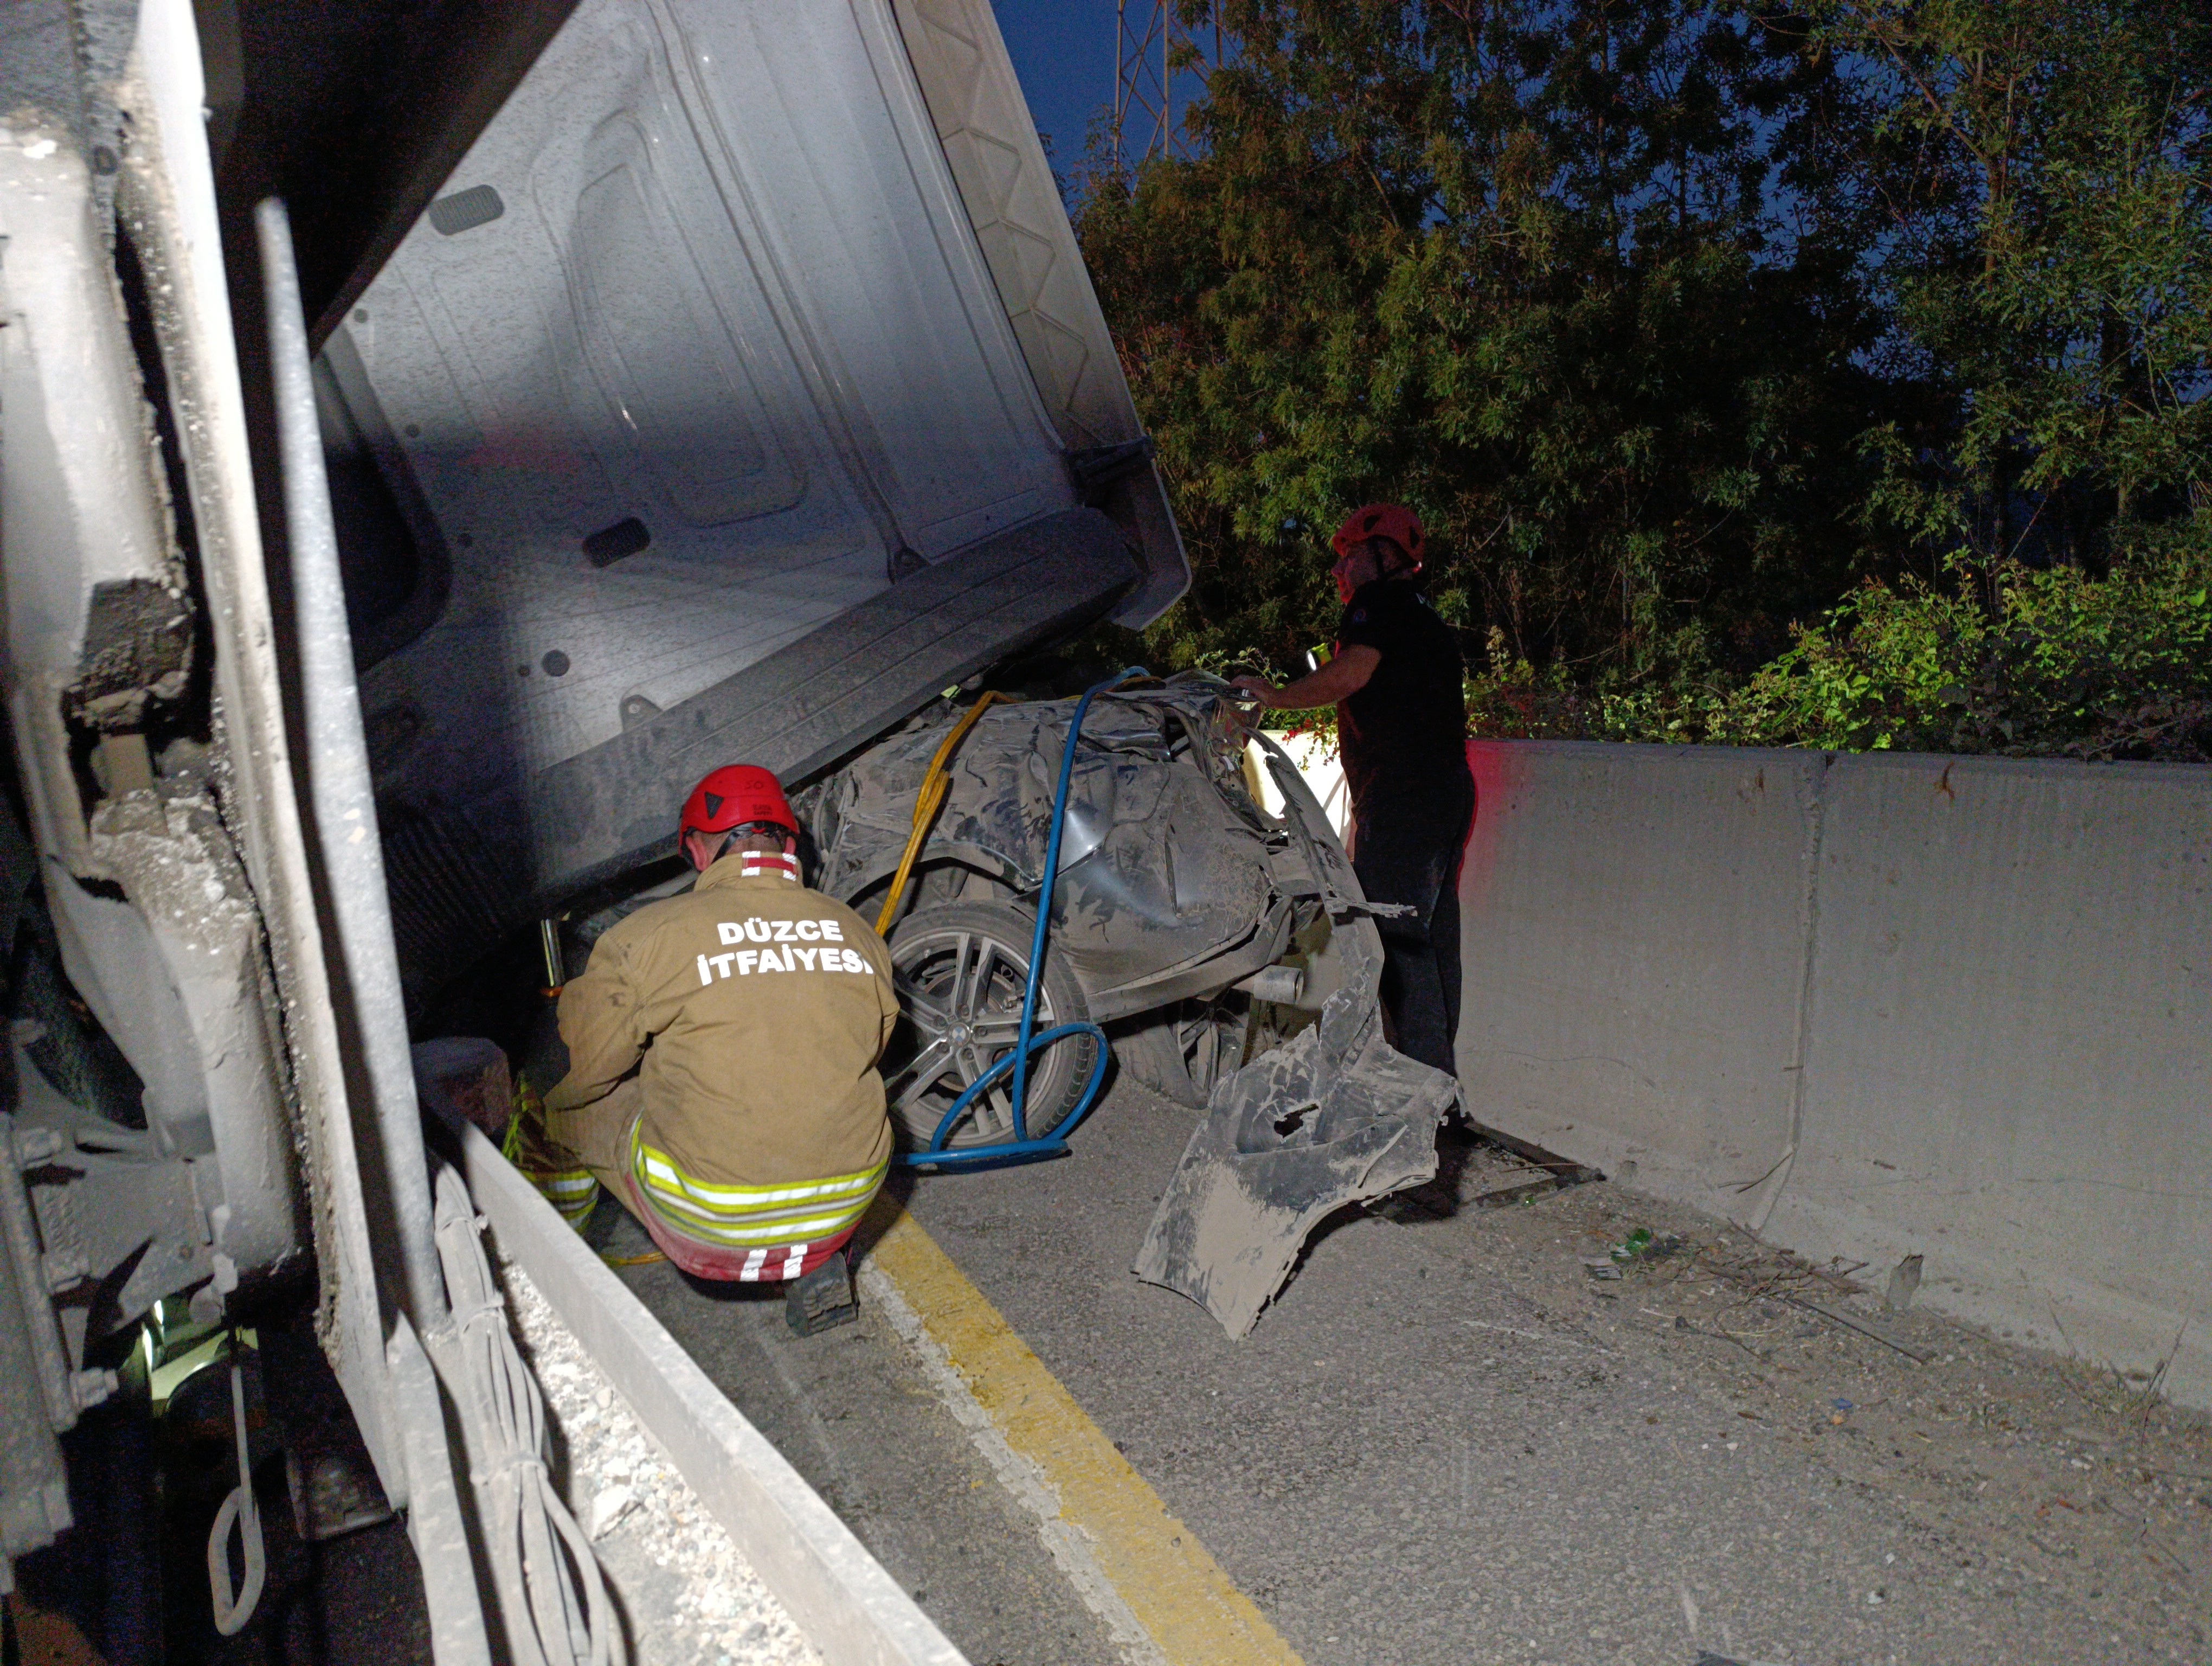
<point>1406,850</point>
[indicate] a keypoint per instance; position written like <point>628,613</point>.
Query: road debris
<point>1336,1116</point>
<point>609,1506</point>
<point>1859,1325</point>
<point>1333,1116</point>
<point>1903,1283</point>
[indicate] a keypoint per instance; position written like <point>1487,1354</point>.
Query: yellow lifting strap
<point>935,786</point>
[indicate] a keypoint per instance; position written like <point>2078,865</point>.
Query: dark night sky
<point>1063,50</point>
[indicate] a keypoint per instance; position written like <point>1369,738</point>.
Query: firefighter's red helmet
<point>734,796</point>
<point>1390,521</point>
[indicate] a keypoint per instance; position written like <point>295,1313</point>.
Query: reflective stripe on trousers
<point>572,1192</point>
<point>767,1224</point>
<point>763,1217</point>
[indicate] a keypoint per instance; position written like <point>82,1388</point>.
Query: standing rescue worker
<point>1398,686</point>
<point>722,1049</point>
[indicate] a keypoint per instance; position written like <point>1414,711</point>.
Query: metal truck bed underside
<point>464,872</point>
<point>698,420</point>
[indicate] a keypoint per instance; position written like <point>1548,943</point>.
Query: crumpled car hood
<point>1165,861</point>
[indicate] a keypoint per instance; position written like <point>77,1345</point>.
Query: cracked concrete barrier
<point>1633,927</point>
<point>1871,1007</point>
<point>2009,1066</point>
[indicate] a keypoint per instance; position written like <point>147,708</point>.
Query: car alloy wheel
<point>961,970</point>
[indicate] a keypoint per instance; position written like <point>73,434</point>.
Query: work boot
<point>823,1300</point>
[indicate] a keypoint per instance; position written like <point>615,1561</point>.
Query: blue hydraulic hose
<point>1045,890</point>
<point>1021,1145</point>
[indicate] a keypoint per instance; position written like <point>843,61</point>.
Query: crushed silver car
<point>1176,898</point>
<point>1228,951</point>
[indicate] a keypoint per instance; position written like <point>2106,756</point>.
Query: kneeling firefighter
<point>722,1049</point>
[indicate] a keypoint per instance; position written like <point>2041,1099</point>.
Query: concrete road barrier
<point>1870,1006</point>
<point>1634,924</point>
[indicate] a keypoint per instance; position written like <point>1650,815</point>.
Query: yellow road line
<point>1170,1581</point>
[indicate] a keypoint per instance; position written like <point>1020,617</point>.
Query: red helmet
<point>1390,521</point>
<point>734,796</point>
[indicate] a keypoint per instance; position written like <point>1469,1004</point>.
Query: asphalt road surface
<point>1452,1440</point>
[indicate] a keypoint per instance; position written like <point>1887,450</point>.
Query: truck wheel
<point>961,969</point>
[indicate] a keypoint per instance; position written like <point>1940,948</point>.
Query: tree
<point>2050,264</point>
<point>2051,270</point>
<point>1681,322</point>
<point>1577,281</point>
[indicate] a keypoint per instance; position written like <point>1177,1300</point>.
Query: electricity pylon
<point>1146,33</point>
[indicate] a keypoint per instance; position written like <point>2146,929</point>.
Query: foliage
<point>1520,266</point>
<point>1879,332</point>
<point>2051,272</point>
<point>2116,667</point>
<point>2119,667</point>
<point>1516,702</point>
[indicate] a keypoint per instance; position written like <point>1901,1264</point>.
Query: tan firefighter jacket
<point>754,1011</point>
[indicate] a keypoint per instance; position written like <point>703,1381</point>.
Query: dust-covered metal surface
<point>694,412</point>
<point>1333,1116</point>
<point>1012,199</point>
<point>126,729</point>
<point>1173,882</point>
<point>681,373</point>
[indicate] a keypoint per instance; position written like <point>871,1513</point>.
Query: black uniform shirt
<point>1404,735</point>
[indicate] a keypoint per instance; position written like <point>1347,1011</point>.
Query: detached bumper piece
<point>1334,1115</point>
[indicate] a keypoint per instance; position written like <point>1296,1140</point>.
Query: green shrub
<point>2005,659</point>
<point>2059,663</point>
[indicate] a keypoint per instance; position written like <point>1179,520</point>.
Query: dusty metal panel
<point>455,854</point>
<point>799,708</point>
<point>108,1198</point>
<point>33,1489</point>
<point>1333,1116</point>
<point>437,1526</point>
<point>177,865</point>
<point>80,499</point>
<point>1013,203</point>
<point>705,273</point>
<point>341,810</point>
<point>695,355</point>
<point>98,634</point>
<point>850,1609</point>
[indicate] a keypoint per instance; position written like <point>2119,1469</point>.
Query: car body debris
<point>1336,1115</point>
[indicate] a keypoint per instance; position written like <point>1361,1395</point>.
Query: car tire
<point>1182,1050</point>
<point>960,968</point>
